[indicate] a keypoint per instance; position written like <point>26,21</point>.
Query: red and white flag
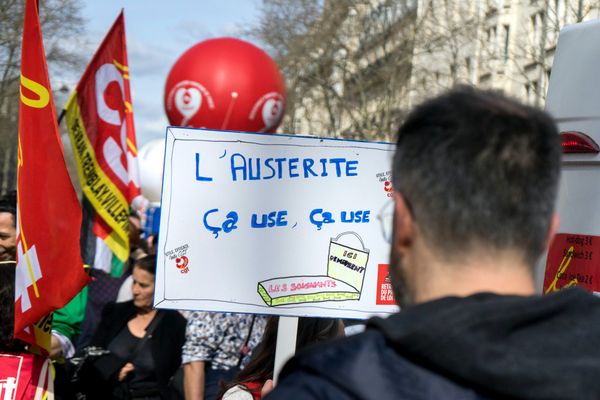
<point>49,269</point>
<point>25,376</point>
<point>100,124</point>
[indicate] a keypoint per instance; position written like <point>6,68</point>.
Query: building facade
<point>501,44</point>
<point>372,60</point>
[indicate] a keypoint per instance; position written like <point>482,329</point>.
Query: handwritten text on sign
<point>572,260</point>
<point>273,224</point>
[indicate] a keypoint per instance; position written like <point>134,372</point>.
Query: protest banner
<point>49,270</point>
<point>571,262</point>
<point>25,376</point>
<point>100,125</point>
<point>274,224</point>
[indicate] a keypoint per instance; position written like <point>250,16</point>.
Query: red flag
<point>49,269</point>
<point>25,376</point>
<point>100,124</point>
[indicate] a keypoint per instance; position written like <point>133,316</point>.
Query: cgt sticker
<point>182,264</point>
<point>386,179</point>
<point>178,255</point>
<point>573,261</point>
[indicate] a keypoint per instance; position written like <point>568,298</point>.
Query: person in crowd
<point>67,320</point>
<point>137,246</point>
<point>144,343</point>
<point>475,179</point>
<point>249,382</point>
<point>8,251</point>
<point>137,250</point>
<point>151,243</point>
<point>106,288</point>
<point>8,344</point>
<point>24,375</point>
<point>217,346</point>
<point>8,227</point>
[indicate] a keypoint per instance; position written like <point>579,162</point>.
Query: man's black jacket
<point>480,347</point>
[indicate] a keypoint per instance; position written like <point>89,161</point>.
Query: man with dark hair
<point>8,223</point>
<point>66,321</point>
<point>475,181</point>
<point>8,246</point>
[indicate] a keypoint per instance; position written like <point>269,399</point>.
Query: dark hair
<point>479,169</point>
<point>7,308</point>
<point>261,365</point>
<point>146,263</point>
<point>8,204</point>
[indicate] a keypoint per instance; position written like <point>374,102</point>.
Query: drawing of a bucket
<point>348,264</point>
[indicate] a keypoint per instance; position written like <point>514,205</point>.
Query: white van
<point>574,101</point>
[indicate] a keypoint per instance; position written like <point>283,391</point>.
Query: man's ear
<point>404,224</point>
<point>552,229</point>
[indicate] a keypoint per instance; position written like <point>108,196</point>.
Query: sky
<point>158,32</point>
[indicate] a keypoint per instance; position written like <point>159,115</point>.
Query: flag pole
<point>61,116</point>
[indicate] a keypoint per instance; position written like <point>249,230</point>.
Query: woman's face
<point>142,288</point>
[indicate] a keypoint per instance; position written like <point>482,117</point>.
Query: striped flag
<point>99,118</point>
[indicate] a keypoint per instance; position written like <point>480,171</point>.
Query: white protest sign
<point>274,224</point>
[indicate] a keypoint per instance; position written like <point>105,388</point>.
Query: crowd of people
<point>117,346</point>
<point>475,179</point>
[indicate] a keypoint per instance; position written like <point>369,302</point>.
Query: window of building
<point>491,41</point>
<point>469,67</point>
<point>506,29</point>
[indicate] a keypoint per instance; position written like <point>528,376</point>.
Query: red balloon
<point>226,84</point>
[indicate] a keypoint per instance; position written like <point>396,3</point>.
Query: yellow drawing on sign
<point>346,267</point>
<point>564,264</point>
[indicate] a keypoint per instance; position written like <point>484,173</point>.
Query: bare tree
<point>354,66</point>
<point>534,55</point>
<point>505,44</point>
<point>61,22</point>
<point>346,63</point>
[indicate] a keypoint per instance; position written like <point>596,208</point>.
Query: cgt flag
<point>49,270</point>
<point>100,124</point>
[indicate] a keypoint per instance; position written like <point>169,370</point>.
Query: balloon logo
<point>186,98</point>
<point>272,112</point>
<point>188,102</point>
<point>226,84</point>
<point>271,106</point>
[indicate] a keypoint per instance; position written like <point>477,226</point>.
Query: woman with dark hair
<point>144,343</point>
<point>248,384</point>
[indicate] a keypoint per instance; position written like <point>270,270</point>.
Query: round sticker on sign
<point>271,107</point>
<point>182,264</point>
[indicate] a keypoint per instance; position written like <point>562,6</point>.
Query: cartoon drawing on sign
<point>562,268</point>
<point>346,267</point>
<point>571,262</point>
